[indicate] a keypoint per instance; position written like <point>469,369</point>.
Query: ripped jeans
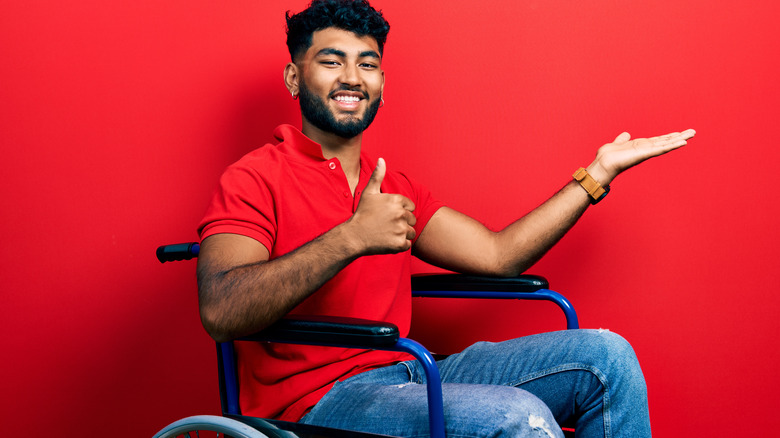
<point>525,387</point>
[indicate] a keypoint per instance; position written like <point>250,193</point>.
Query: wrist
<point>595,190</point>
<point>347,240</point>
<point>599,173</point>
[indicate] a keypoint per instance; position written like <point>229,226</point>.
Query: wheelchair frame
<point>357,333</point>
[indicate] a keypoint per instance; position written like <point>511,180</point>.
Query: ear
<point>382,88</point>
<point>291,78</point>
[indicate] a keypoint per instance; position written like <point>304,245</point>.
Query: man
<point>314,226</point>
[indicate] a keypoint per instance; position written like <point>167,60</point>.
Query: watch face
<point>603,195</point>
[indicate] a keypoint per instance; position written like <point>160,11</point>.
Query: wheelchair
<point>349,333</point>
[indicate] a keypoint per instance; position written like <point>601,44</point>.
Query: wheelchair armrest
<point>336,332</point>
<point>522,287</point>
<point>318,330</point>
<point>177,251</point>
<point>330,331</point>
<point>474,283</point>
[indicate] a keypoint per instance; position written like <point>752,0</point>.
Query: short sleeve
<point>242,203</point>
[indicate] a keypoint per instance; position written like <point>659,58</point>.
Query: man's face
<point>341,82</point>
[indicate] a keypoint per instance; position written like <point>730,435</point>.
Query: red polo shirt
<point>284,196</point>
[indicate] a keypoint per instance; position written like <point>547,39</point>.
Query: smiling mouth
<point>347,99</point>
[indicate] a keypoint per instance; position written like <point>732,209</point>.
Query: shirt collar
<point>297,143</point>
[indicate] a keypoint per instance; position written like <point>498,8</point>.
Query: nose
<point>350,75</point>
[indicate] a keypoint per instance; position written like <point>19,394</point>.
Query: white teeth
<point>347,98</point>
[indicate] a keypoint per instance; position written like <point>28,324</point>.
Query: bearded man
<point>313,225</point>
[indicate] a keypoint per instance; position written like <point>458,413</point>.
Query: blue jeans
<point>586,379</point>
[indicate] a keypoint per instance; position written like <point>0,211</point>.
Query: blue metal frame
<point>435,398</point>
<point>433,380</point>
<point>229,378</point>
<point>541,294</point>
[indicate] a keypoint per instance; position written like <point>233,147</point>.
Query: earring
<point>381,102</point>
<point>294,96</point>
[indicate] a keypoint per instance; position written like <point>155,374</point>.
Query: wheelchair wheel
<point>207,426</point>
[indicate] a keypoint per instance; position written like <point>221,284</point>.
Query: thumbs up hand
<point>383,223</point>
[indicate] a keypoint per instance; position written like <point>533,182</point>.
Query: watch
<point>594,189</point>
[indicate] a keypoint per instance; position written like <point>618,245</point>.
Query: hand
<point>383,223</point>
<point>624,153</point>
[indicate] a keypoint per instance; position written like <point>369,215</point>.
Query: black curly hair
<point>353,15</point>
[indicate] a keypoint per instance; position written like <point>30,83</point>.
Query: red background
<point>117,117</point>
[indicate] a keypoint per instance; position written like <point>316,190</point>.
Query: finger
<point>674,144</point>
<point>407,203</point>
<point>681,138</point>
<point>622,138</point>
<point>410,218</point>
<point>375,183</point>
<point>688,133</point>
<point>665,137</point>
<point>668,143</point>
<point>674,136</point>
<point>410,233</point>
<point>674,139</point>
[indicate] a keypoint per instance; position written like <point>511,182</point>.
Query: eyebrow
<point>341,53</point>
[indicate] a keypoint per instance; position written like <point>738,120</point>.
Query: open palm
<point>623,153</point>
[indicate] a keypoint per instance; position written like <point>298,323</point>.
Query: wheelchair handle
<point>178,251</point>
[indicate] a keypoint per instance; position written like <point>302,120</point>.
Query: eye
<point>368,66</point>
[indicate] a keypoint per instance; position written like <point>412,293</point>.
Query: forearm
<point>456,242</point>
<point>240,300</point>
<point>525,241</point>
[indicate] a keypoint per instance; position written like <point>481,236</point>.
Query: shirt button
<point>346,194</point>
<point>332,165</point>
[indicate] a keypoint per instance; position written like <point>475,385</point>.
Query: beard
<point>317,113</point>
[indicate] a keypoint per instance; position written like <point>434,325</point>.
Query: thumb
<point>375,183</point>
<point>622,138</point>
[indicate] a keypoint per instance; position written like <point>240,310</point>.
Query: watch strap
<point>594,189</point>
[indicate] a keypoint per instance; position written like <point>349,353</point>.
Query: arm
<point>241,291</point>
<point>455,241</point>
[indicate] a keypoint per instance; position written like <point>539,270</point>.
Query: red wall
<point>117,117</point>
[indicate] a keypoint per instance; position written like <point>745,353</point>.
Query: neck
<point>347,150</point>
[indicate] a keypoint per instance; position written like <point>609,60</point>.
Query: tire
<point>210,423</point>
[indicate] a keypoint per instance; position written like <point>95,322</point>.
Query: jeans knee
<point>616,357</point>
<point>612,348</point>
